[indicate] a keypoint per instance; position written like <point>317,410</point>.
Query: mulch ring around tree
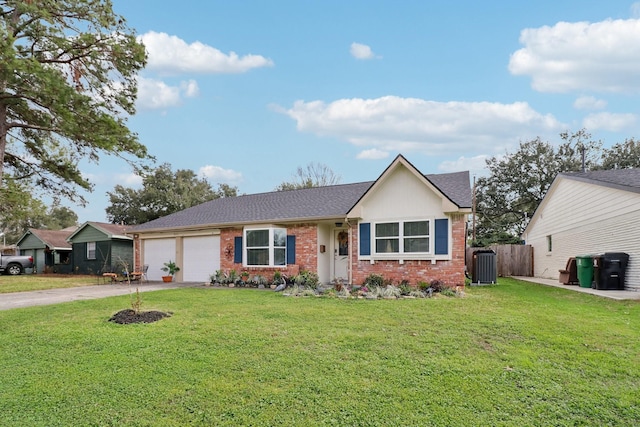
<point>128,316</point>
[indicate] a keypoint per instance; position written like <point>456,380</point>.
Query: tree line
<point>163,192</point>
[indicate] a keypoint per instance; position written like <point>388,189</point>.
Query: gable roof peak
<point>54,239</point>
<point>110,230</point>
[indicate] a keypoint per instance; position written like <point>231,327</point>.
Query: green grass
<point>38,282</point>
<point>512,354</point>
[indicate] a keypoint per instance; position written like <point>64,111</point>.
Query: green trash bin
<point>584,264</point>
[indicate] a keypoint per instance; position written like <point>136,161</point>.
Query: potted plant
<point>171,268</point>
<point>244,278</point>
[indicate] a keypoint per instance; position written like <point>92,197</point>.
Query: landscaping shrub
<point>437,285</point>
<point>405,288</point>
<point>374,280</point>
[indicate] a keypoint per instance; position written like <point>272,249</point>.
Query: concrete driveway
<point>617,295</point>
<point>56,296</point>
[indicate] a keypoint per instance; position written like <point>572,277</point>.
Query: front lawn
<point>39,282</point>
<point>512,354</point>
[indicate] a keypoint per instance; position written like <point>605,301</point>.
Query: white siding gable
<point>402,195</point>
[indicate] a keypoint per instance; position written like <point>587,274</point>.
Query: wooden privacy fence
<point>513,260</point>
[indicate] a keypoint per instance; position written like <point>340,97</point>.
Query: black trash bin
<point>610,270</point>
<point>485,267</point>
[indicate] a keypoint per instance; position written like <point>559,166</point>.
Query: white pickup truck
<point>15,264</point>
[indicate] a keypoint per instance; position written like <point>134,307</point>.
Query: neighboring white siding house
<point>587,213</point>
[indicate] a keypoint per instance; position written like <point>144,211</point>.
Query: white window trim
<point>89,246</point>
<point>401,253</point>
<point>271,247</point>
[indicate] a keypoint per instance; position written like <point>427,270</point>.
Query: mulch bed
<point>128,316</point>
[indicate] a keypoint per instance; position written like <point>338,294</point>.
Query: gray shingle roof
<point>305,204</point>
<point>308,203</point>
<point>622,179</point>
<point>112,231</point>
<point>455,186</point>
<point>53,238</point>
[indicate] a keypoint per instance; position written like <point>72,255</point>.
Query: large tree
<point>313,175</point>
<point>67,83</point>
<point>59,217</point>
<point>20,211</point>
<point>163,192</point>
<point>623,155</point>
<point>517,182</point>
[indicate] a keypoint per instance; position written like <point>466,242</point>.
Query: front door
<point>341,254</point>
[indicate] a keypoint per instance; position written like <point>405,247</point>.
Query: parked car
<point>15,264</point>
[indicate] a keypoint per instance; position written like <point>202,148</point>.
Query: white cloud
<point>361,51</point>
<point>172,55</point>
<point>372,154</point>
<point>129,179</point>
<point>112,179</point>
<point>589,103</point>
<point>157,95</point>
<point>609,121</point>
<point>602,56</point>
<point>190,88</point>
<point>218,174</point>
<point>476,164</point>
<point>394,124</point>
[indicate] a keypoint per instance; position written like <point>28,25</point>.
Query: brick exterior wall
<point>450,272</point>
<point>306,252</point>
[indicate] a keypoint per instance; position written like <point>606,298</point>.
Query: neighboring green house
<point>50,249</point>
<point>100,248</point>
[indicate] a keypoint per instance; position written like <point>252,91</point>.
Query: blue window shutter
<point>291,249</point>
<point>365,238</point>
<point>237,250</point>
<point>442,236</point>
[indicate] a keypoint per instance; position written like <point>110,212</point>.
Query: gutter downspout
<point>349,269</point>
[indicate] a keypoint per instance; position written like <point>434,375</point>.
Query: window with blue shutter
<point>268,247</point>
<point>365,238</point>
<point>291,249</point>
<point>237,250</point>
<point>442,236</point>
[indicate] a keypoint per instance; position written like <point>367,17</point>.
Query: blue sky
<point>245,92</point>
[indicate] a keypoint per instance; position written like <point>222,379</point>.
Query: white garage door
<point>156,253</point>
<point>201,258</point>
